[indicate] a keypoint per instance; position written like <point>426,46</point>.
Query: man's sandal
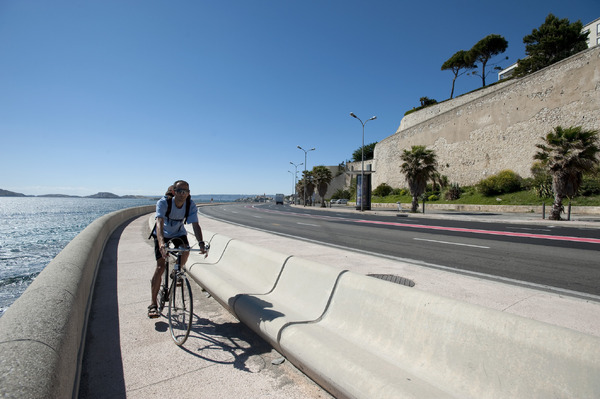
<point>153,312</point>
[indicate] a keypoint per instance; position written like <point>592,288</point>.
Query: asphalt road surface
<point>563,257</point>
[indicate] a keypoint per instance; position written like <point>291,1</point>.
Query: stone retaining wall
<point>499,129</point>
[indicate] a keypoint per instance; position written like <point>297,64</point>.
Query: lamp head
<point>374,117</point>
<point>352,115</point>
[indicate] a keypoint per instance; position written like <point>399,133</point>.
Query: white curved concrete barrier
<point>43,332</point>
<point>384,340</point>
<point>361,337</point>
<point>218,243</point>
<point>300,295</point>
<point>242,269</point>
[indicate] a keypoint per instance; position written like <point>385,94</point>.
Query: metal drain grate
<point>394,279</point>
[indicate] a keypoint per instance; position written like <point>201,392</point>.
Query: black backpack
<point>188,204</point>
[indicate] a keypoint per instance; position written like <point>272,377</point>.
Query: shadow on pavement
<point>102,337</point>
<point>227,343</point>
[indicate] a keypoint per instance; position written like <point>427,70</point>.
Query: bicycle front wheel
<point>180,309</point>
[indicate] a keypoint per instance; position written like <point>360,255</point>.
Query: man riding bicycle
<point>171,216</point>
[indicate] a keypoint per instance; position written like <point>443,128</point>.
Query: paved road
<point>563,256</point>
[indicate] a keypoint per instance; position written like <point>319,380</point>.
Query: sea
<point>33,230</point>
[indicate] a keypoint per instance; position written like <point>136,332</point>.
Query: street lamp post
<point>295,180</point>
<point>305,152</point>
<point>362,166</point>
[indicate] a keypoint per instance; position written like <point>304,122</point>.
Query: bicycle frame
<point>179,295</point>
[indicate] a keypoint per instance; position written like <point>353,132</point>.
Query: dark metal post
<point>543,210</point>
<point>362,165</point>
<point>305,165</point>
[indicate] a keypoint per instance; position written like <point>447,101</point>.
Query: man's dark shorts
<point>178,241</point>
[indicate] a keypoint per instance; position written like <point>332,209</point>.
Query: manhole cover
<point>394,279</point>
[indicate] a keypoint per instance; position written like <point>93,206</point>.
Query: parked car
<point>339,201</point>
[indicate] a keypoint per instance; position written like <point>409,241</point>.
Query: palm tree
<point>308,183</point>
<point>300,190</point>
<point>322,177</point>
<point>438,179</point>
<point>567,154</point>
<point>419,166</point>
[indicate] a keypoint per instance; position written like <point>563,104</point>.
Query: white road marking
<point>452,243</point>
<point>529,228</point>
<point>308,224</point>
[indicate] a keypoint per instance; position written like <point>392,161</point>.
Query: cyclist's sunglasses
<point>181,190</point>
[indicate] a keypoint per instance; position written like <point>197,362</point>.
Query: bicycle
<point>178,294</point>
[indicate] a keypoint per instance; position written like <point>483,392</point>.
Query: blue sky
<point>128,96</point>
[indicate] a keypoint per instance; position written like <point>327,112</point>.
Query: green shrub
<point>505,181</point>
<point>527,183</point>
<point>342,194</point>
<point>541,182</point>
<point>509,181</point>
<point>544,189</point>
<point>433,198</point>
<point>453,192</point>
<point>589,186</point>
<point>425,102</point>
<point>383,190</point>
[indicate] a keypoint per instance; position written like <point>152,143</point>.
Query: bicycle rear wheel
<point>181,309</point>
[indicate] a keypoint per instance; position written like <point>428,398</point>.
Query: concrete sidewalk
<point>129,355</point>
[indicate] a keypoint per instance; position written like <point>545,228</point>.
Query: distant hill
<point>6,193</point>
<point>59,196</point>
<point>103,195</point>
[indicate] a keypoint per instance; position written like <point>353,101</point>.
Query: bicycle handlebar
<point>188,249</point>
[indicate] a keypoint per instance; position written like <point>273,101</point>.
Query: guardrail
<point>43,331</point>
<point>361,337</point>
